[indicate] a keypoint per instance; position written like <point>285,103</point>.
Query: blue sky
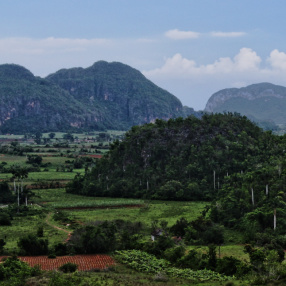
<point>192,48</point>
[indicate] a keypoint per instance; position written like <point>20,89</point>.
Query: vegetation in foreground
<point>178,233</point>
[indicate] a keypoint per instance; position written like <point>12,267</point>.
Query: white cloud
<point>194,83</point>
<point>228,34</point>
<point>277,60</point>
<point>245,61</point>
<point>176,34</point>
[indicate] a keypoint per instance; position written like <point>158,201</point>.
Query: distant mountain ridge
<point>102,96</point>
<point>260,102</point>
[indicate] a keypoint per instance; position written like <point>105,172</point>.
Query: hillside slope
<point>103,96</point>
<point>29,103</point>
<point>177,159</point>
<point>120,94</point>
<point>259,102</point>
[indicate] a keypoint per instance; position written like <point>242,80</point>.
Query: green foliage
<point>144,262</point>
<point>5,218</point>
<point>60,249</point>
<point>179,228</point>
<point>68,267</point>
<point>33,245</point>
<point>6,195</point>
<point>94,239</point>
<point>40,231</point>
<point>229,265</point>
<point>34,159</point>
<point>174,254</point>
<point>198,153</point>
<point>16,271</point>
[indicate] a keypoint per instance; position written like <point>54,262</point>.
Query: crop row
<point>84,262</point>
<point>144,262</point>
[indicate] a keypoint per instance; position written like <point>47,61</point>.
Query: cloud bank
<point>194,83</point>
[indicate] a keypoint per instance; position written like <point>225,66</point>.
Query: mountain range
<point>116,96</point>
<point>102,96</point>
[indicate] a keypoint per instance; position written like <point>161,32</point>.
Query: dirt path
<point>58,228</point>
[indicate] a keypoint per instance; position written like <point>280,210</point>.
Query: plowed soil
<point>84,262</point>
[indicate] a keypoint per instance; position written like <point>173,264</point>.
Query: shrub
<point>94,239</point>
<point>179,228</point>
<point>52,256</point>
<point>213,235</point>
<point>228,265</point>
<point>60,249</point>
<point>34,159</point>
<point>12,267</point>
<point>174,254</point>
<point>68,267</point>
<point>33,245</point>
<point>5,219</point>
<point>40,231</point>
<point>192,260</point>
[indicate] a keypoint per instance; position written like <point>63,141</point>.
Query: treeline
<point>180,159</point>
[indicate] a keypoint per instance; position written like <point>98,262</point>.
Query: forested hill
<point>30,104</point>
<point>103,96</point>
<point>181,159</point>
<point>120,95</point>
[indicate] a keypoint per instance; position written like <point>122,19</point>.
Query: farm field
<point>84,262</point>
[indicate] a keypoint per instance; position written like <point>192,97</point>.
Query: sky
<point>191,48</point>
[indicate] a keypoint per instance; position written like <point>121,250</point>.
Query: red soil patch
<point>84,262</point>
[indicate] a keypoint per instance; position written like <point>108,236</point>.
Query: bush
<point>94,239</point>
<point>33,245</point>
<point>40,231</point>
<point>34,159</point>
<point>174,254</point>
<point>6,195</point>
<point>5,219</point>
<point>179,228</point>
<point>12,267</point>
<point>60,249</point>
<point>68,267</point>
<point>228,265</point>
<point>213,235</point>
<point>52,256</point>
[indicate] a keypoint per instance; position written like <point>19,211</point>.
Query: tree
<point>52,135</point>
<point>68,136</point>
<point>37,137</point>
<point>6,195</point>
<point>19,174</point>
<point>33,245</point>
<point>34,159</point>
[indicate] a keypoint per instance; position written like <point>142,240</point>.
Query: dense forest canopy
<point>181,159</point>
<point>221,158</point>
